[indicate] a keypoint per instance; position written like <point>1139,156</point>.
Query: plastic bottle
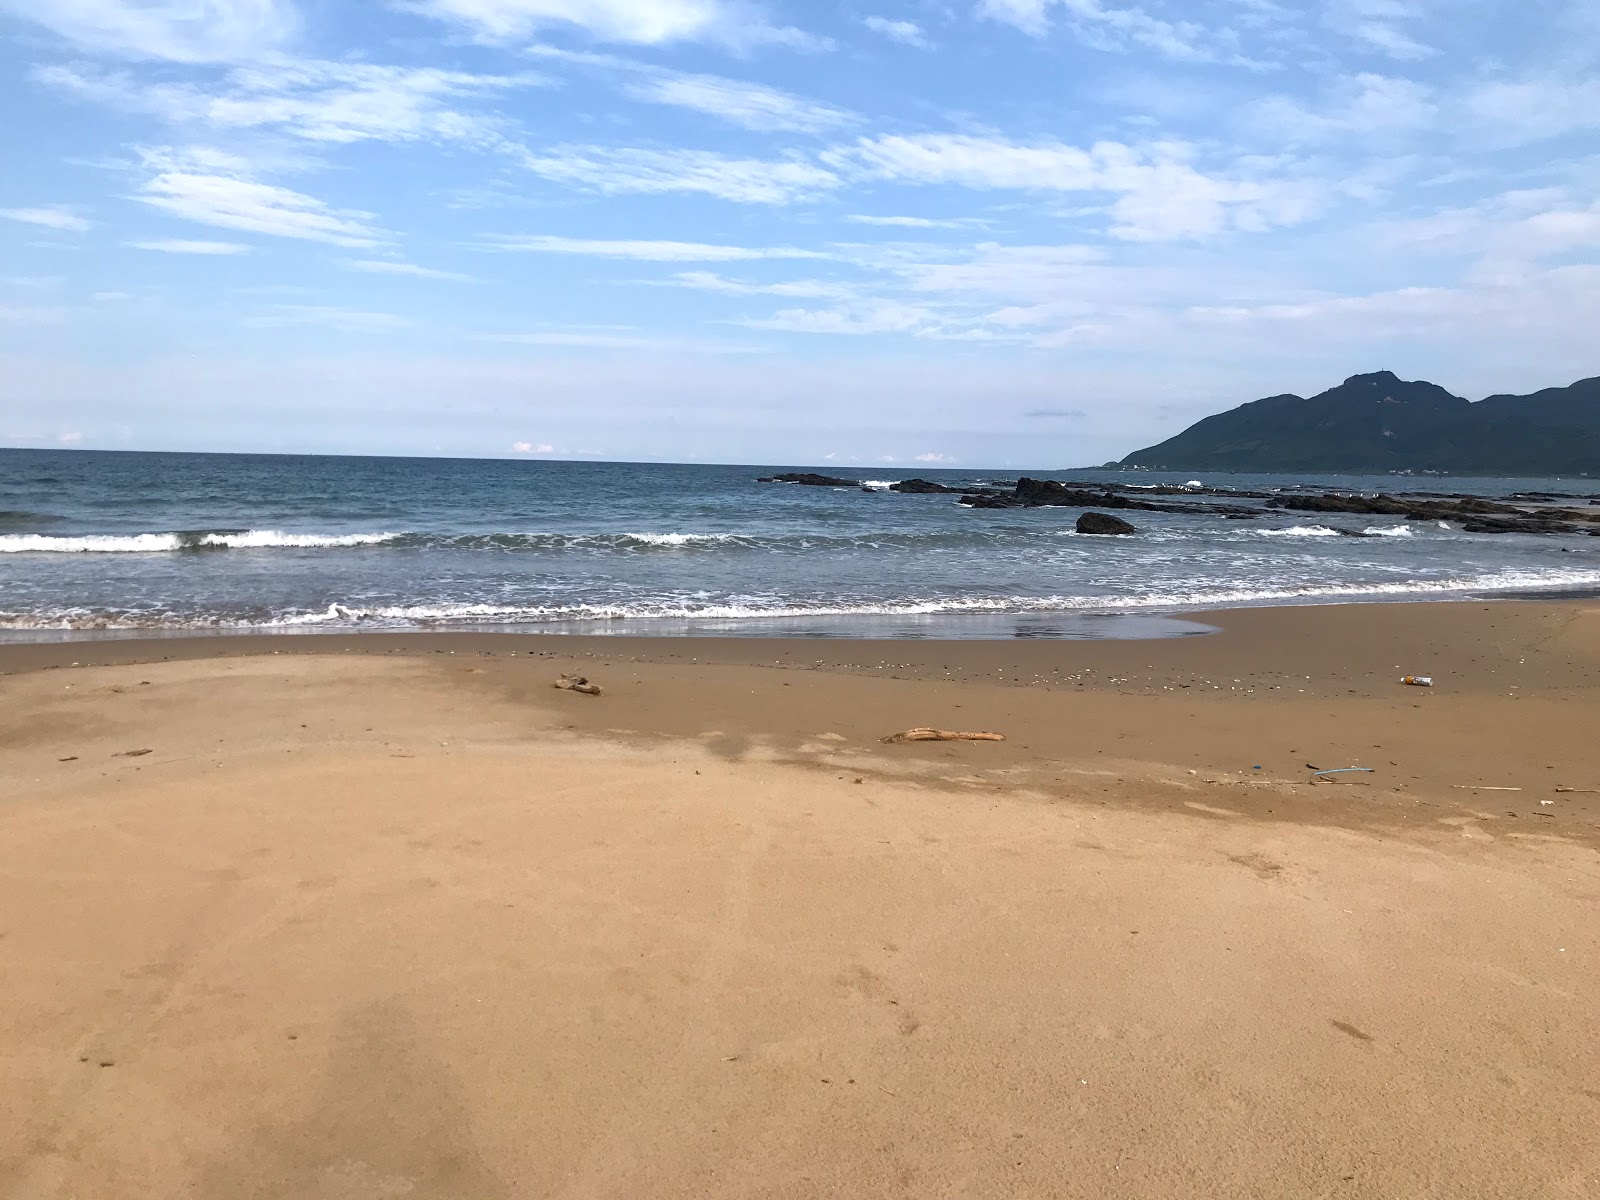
<point>1417,680</point>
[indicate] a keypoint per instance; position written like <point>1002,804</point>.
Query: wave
<point>1401,531</point>
<point>446,614</point>
<point>166,543</point>
<point>1300,531</point>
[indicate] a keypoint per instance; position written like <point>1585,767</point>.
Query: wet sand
<point>390,916</point>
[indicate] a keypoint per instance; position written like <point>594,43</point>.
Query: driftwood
<point>943,735</point>
<point>578,683</point>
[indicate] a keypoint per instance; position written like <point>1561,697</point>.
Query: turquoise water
<point>156,542</point>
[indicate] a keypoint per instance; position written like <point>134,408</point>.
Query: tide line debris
<point>578,683</point>
<point>942,735</point>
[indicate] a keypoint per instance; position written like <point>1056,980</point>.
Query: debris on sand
<point>578,683</point>
<point>943,735</point>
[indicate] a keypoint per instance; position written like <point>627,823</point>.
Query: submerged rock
<point>809,479</point>
<point>1098,522</point>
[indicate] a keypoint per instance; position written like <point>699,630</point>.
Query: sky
<point>914,232</point>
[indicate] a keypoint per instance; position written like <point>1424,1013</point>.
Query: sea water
<point>101,541</point>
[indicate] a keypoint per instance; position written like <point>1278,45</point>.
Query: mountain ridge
<point>1378,422</point>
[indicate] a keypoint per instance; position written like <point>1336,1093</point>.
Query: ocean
<point>123,543</point>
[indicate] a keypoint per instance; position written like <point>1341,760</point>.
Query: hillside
<point>1379,423</point>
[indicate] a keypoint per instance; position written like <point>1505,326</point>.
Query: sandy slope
<point>375,925</point>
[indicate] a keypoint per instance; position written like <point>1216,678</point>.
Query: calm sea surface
<point>155,542</point>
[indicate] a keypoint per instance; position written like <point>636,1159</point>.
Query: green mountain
<point>1378,423</point>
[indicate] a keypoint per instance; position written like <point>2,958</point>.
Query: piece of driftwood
<point>943,735</point>
<point>578,683</point>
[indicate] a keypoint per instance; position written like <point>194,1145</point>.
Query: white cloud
<point>920,222</point>
<point>747,105</point>
<point>192,31</point>
<point>183,246</point>
<point>615,338</point>
<point>50,218</point>
<point>1159,195</point>
<point>378,266</point>
<point>639,22</point>
<point>1361,106</point>
<point>1505,113</point>
<point>69,439</point>
<point>214,188</point>
<point>614,171</point>
<point>1109,28</point>
<point>932,458</point>
<point>1376,24</point>
<point>340,320</point>
<point>907,33</point>
<point>314,100</point>
<point>532,448</point>
<point>865,317</point>
<point>814,289</point>
<point>644,251</point>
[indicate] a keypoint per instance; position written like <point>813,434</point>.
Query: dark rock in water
<point>920,487</point>
<point>1039,493</point>
<point>810,479</point>
<point>1097,522</point>
<point>1475,514</point>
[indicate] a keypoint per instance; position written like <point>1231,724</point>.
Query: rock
<point>1097,522</point>
<point>921,487</point>
<point>810,479</point>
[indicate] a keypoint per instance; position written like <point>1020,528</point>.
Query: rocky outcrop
<point>810,479</point>
<point>924,487</point>
<point>1049,493</point>
<point>1103,523</point>
<point>1472,513</point>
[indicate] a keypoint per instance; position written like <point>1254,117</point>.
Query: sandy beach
<point>389,915</point>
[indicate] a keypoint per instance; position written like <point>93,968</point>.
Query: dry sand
<point>391,917</point>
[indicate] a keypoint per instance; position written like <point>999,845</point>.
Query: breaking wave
<point>742,609</point>
<point>165,543</point>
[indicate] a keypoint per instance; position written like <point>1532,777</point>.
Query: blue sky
<point>975,232</point>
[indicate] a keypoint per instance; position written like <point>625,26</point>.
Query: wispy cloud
<point>189,31</point>
<point>642,251</point>
<point>63,219</point>
<point>907,33</point>
<point>638,22</point>
<point>920,222</point>
<point>709,281</point>
<point>623,170</point>
<point>381,266</point>
<point>1159,194</point>
<point>1120,27</point>
<point>332,317</point>
<point>183,246</point>
<point>1378,25</point>
<point>212,188</point>
<point>615,338</point>
<point>747,105</point>
<point>330,102</point>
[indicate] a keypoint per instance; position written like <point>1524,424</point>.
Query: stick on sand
<point>943,735</point>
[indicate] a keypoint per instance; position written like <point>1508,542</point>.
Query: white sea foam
<point>1388,531</point>
<point>879,485</point>
<point>263,539</point>
<point>675,539</point>
<point>138,543</point>
<point>430,614</point>
<point>160,543</point>
<point>1300,531</point>
<point>734,609</point>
